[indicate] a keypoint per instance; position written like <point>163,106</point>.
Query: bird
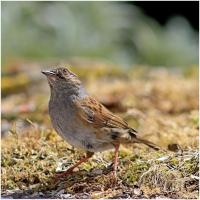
<point>83,121</point>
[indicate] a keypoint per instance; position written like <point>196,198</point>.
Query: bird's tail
<point>148,143</point>
<point>135,138</point>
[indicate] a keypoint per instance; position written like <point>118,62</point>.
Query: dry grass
<point>163,106</point>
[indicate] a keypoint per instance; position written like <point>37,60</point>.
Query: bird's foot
<point>113,178</point>
<point>114,174</point>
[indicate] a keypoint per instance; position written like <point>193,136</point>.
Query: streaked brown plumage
<point>83,121</point>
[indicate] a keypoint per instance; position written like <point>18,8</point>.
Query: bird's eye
<point>65,71</point>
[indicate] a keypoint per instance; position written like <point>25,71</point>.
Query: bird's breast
<point>76,133</point>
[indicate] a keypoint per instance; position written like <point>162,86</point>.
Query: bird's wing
<point>94,113</point>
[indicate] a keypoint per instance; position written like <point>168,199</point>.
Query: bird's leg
<point>115,162</point>
<point>70,170</point>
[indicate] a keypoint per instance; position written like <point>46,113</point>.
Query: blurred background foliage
<point>110,31</point>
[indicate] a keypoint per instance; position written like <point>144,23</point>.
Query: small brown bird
<point>84,122</point>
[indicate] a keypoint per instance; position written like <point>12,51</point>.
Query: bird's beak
<point>48,72</point>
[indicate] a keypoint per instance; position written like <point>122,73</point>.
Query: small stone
<point>97,172</point>
<point>41,194</point>
<point>60,192</point>
<point>65,196</point>
<point>194,177</point>
<point>137,191</point>
<point>164,158</point>
<point>59,167</point>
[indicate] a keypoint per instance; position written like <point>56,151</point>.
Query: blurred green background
<point>111,31</point>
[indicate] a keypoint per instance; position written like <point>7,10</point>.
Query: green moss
<point>190,166</point>
<point>174,161</point>
<point>11,185</point>
<point>134,170</point>
<point>125,153</point>
<point>87,166</point>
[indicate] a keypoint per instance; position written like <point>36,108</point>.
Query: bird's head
<point>62,79</point>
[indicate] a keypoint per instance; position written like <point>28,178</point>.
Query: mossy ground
<point>162,105</point>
